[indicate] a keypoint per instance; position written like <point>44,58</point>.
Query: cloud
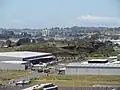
<point>16,21</point>
<point>91,18</point>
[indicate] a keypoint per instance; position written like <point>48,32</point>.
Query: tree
<point>33,41</point>
<point>8,43</point>
<point>23,41</point>
<point>115,37</point>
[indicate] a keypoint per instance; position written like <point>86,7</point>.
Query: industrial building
<point>21,60</point>
<point>98,61</point>
<point>92,69</point>
<point>110,66</point>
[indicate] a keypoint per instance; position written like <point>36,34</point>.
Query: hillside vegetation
<point>84,48</point>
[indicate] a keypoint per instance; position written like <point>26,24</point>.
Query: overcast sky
<point>63,13</point>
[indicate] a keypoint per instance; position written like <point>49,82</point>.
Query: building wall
<point>7,58</point>
<point>9,66</point>
<point>92,71</point>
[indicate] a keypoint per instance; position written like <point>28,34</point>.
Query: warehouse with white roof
<point>19,60</point>
<point>92,69</point>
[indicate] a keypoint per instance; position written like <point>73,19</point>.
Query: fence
<point>12,87</point>
<point>62,88</point>
<point>89,88</point>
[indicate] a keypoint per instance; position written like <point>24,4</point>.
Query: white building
<point>58,37</point>
<point>21,60</point>
<point>45,32</point>
<point>92,69</point>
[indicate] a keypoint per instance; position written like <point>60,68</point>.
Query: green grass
<point>79,80</point>
<point>9,49</point>
<point>6,75</point>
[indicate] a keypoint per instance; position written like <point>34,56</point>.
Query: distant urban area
<point>59,44</point>
<point>60,58</point>
<point>94,41</point>
<point>58,33</point>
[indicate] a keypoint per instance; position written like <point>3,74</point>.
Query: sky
<point>59,13</point>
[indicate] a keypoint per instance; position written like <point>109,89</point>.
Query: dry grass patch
<point>78,80</point>
<point>6,75</point>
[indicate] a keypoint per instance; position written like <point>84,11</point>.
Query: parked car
<point>23,82</point>
<point>61,71</point>
<point>40,70</point>
<point>46,70</point>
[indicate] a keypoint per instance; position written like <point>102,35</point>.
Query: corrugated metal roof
<point>14,62</point>
<point>116,62</point>
<point>42,57</point>
<point>113,57</point>
<point>92,65</point>
<point>23,54</point>
<point>98,60</point>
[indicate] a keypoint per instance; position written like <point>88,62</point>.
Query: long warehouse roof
<point>23,54</point>
<point>98,60</point>
<point>13,62</point>
<point>92,65</point>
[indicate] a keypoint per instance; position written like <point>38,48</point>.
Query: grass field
<point>6,75</point>
<point>10,49</point>
<point>81,80</point>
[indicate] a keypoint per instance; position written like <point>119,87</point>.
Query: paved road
<point>35,74</point>
<point>28,77</point>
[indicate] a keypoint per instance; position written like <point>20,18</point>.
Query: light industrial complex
<point>21,60</point>
<point>24,60</point>
<point>94,67</point>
